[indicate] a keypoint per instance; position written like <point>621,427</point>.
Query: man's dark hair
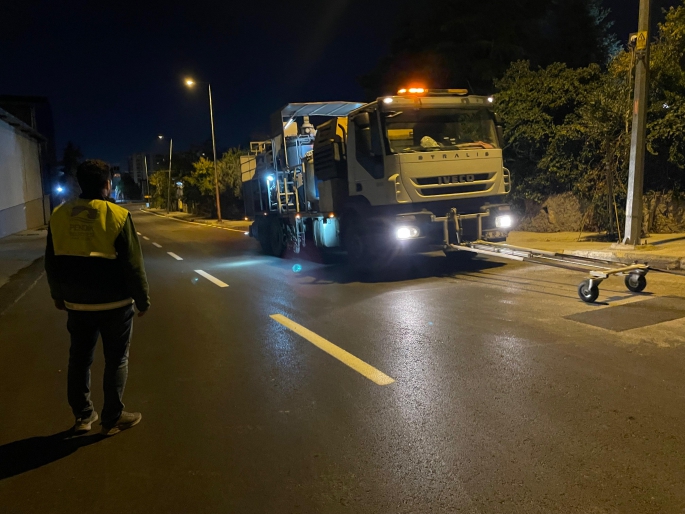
<point>92,176</point>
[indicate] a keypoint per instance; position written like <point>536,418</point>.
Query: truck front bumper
<point>424,230</point>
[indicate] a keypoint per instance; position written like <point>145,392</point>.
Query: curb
<point>193,221</point>
<point>665,262</point>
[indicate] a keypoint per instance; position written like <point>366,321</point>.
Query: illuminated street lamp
<point>168,197</point>
<point>190,83</point>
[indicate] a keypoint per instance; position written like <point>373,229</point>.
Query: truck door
<point>366,169</point>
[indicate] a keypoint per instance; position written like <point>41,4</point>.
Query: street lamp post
<point>147,181</point>
<point>191,83</point>
<point>168,198</point>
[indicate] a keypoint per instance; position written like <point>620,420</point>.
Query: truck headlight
<point>407,232</point>
<point>505,221</point>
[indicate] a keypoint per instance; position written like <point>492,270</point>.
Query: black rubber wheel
<point>636,283</point>
<point>277,244</point>
<point>359,255</point>
<point>588,293</point>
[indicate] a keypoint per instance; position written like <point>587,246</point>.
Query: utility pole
<point>633,229</point>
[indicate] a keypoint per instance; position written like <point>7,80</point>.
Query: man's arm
<point>51,270</point>
<point>130,255</point>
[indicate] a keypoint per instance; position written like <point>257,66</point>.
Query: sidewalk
<point>663,251</point>
<point>19,251</point>
<point>21,264</point>
<point>239,225</point>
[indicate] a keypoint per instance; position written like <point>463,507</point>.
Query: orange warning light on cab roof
<point>411,90</point>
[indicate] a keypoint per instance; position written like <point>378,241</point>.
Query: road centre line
<point>157,245</point>
<point>212,279</point>
<point>193,222</point>
<point>146,238</point>
<point>343,356</point>
<point>139,233</point>
<point>175,256</point>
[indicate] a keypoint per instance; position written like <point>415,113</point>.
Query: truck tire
<point>274,242</point>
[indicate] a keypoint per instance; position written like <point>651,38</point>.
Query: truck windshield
<point>427,130</point>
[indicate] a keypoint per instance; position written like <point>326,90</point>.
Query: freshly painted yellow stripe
<point>343,356</point>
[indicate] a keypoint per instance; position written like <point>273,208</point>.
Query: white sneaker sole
<point>117,428</point>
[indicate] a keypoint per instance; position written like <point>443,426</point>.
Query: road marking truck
<point>413,172</point>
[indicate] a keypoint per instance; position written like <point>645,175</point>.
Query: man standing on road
<point>95,269</point>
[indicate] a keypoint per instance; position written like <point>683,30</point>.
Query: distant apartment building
<point>140,165</point>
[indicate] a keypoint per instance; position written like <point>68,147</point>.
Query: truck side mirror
<point>362,120</point>
<point>500,135</point>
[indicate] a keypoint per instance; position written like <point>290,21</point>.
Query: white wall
<point>21,196</point>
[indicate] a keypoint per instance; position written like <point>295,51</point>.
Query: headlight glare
<point>505,221</point>
<point>407,232</point>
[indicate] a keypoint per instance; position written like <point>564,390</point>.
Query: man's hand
<point>60,305</point>
<point>141,313</point>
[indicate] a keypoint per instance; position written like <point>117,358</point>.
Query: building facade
<point>24,203</point>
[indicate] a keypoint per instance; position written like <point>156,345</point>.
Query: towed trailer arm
<point>588,290</point>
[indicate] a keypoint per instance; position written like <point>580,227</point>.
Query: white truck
<point>413,172</point>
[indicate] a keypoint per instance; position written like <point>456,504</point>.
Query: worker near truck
<point>96,274</point>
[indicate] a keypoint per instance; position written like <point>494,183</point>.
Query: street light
<point>190,83</point>
<point>168,197</point>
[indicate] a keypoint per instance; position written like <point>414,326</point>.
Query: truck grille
<point>425,181</point>
<point>455,184</point>
<point>452,189</point>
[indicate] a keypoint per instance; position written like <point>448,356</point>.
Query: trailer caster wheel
<point>636,283</point>
<point>587,291</point>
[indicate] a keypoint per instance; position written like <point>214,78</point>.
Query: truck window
<point>434,129</point>
<point>369,151</point>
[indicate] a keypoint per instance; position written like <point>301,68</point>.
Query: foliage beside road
<point>197,188</point>
<point>568,130</point>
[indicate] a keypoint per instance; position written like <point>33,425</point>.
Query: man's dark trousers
<point>116,327</point>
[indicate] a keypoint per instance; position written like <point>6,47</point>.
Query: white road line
<point>139,233</point>
<point>146,238</point>
<point>157,245</point>
<point>212,279</point>
<point>175,256</point>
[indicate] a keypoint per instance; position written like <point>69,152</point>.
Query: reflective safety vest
<point>87,228</point>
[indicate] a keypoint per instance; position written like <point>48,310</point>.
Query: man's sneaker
<point>85,424</point>
<point>126,420</point>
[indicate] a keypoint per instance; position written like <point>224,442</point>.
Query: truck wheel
<point>357,249</point>
<point>636,283</point>
<point>276,238</point>
<point>588,293</point>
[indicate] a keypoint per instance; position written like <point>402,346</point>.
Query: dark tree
<point>129,189</point>
<point>460,43</point>
<point>71,158</point>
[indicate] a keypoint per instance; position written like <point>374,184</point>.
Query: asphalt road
<point>425,389</point>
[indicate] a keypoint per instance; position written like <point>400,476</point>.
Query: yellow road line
<point>343,356</point>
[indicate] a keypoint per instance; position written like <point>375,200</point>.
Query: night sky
<point>113,71</point>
